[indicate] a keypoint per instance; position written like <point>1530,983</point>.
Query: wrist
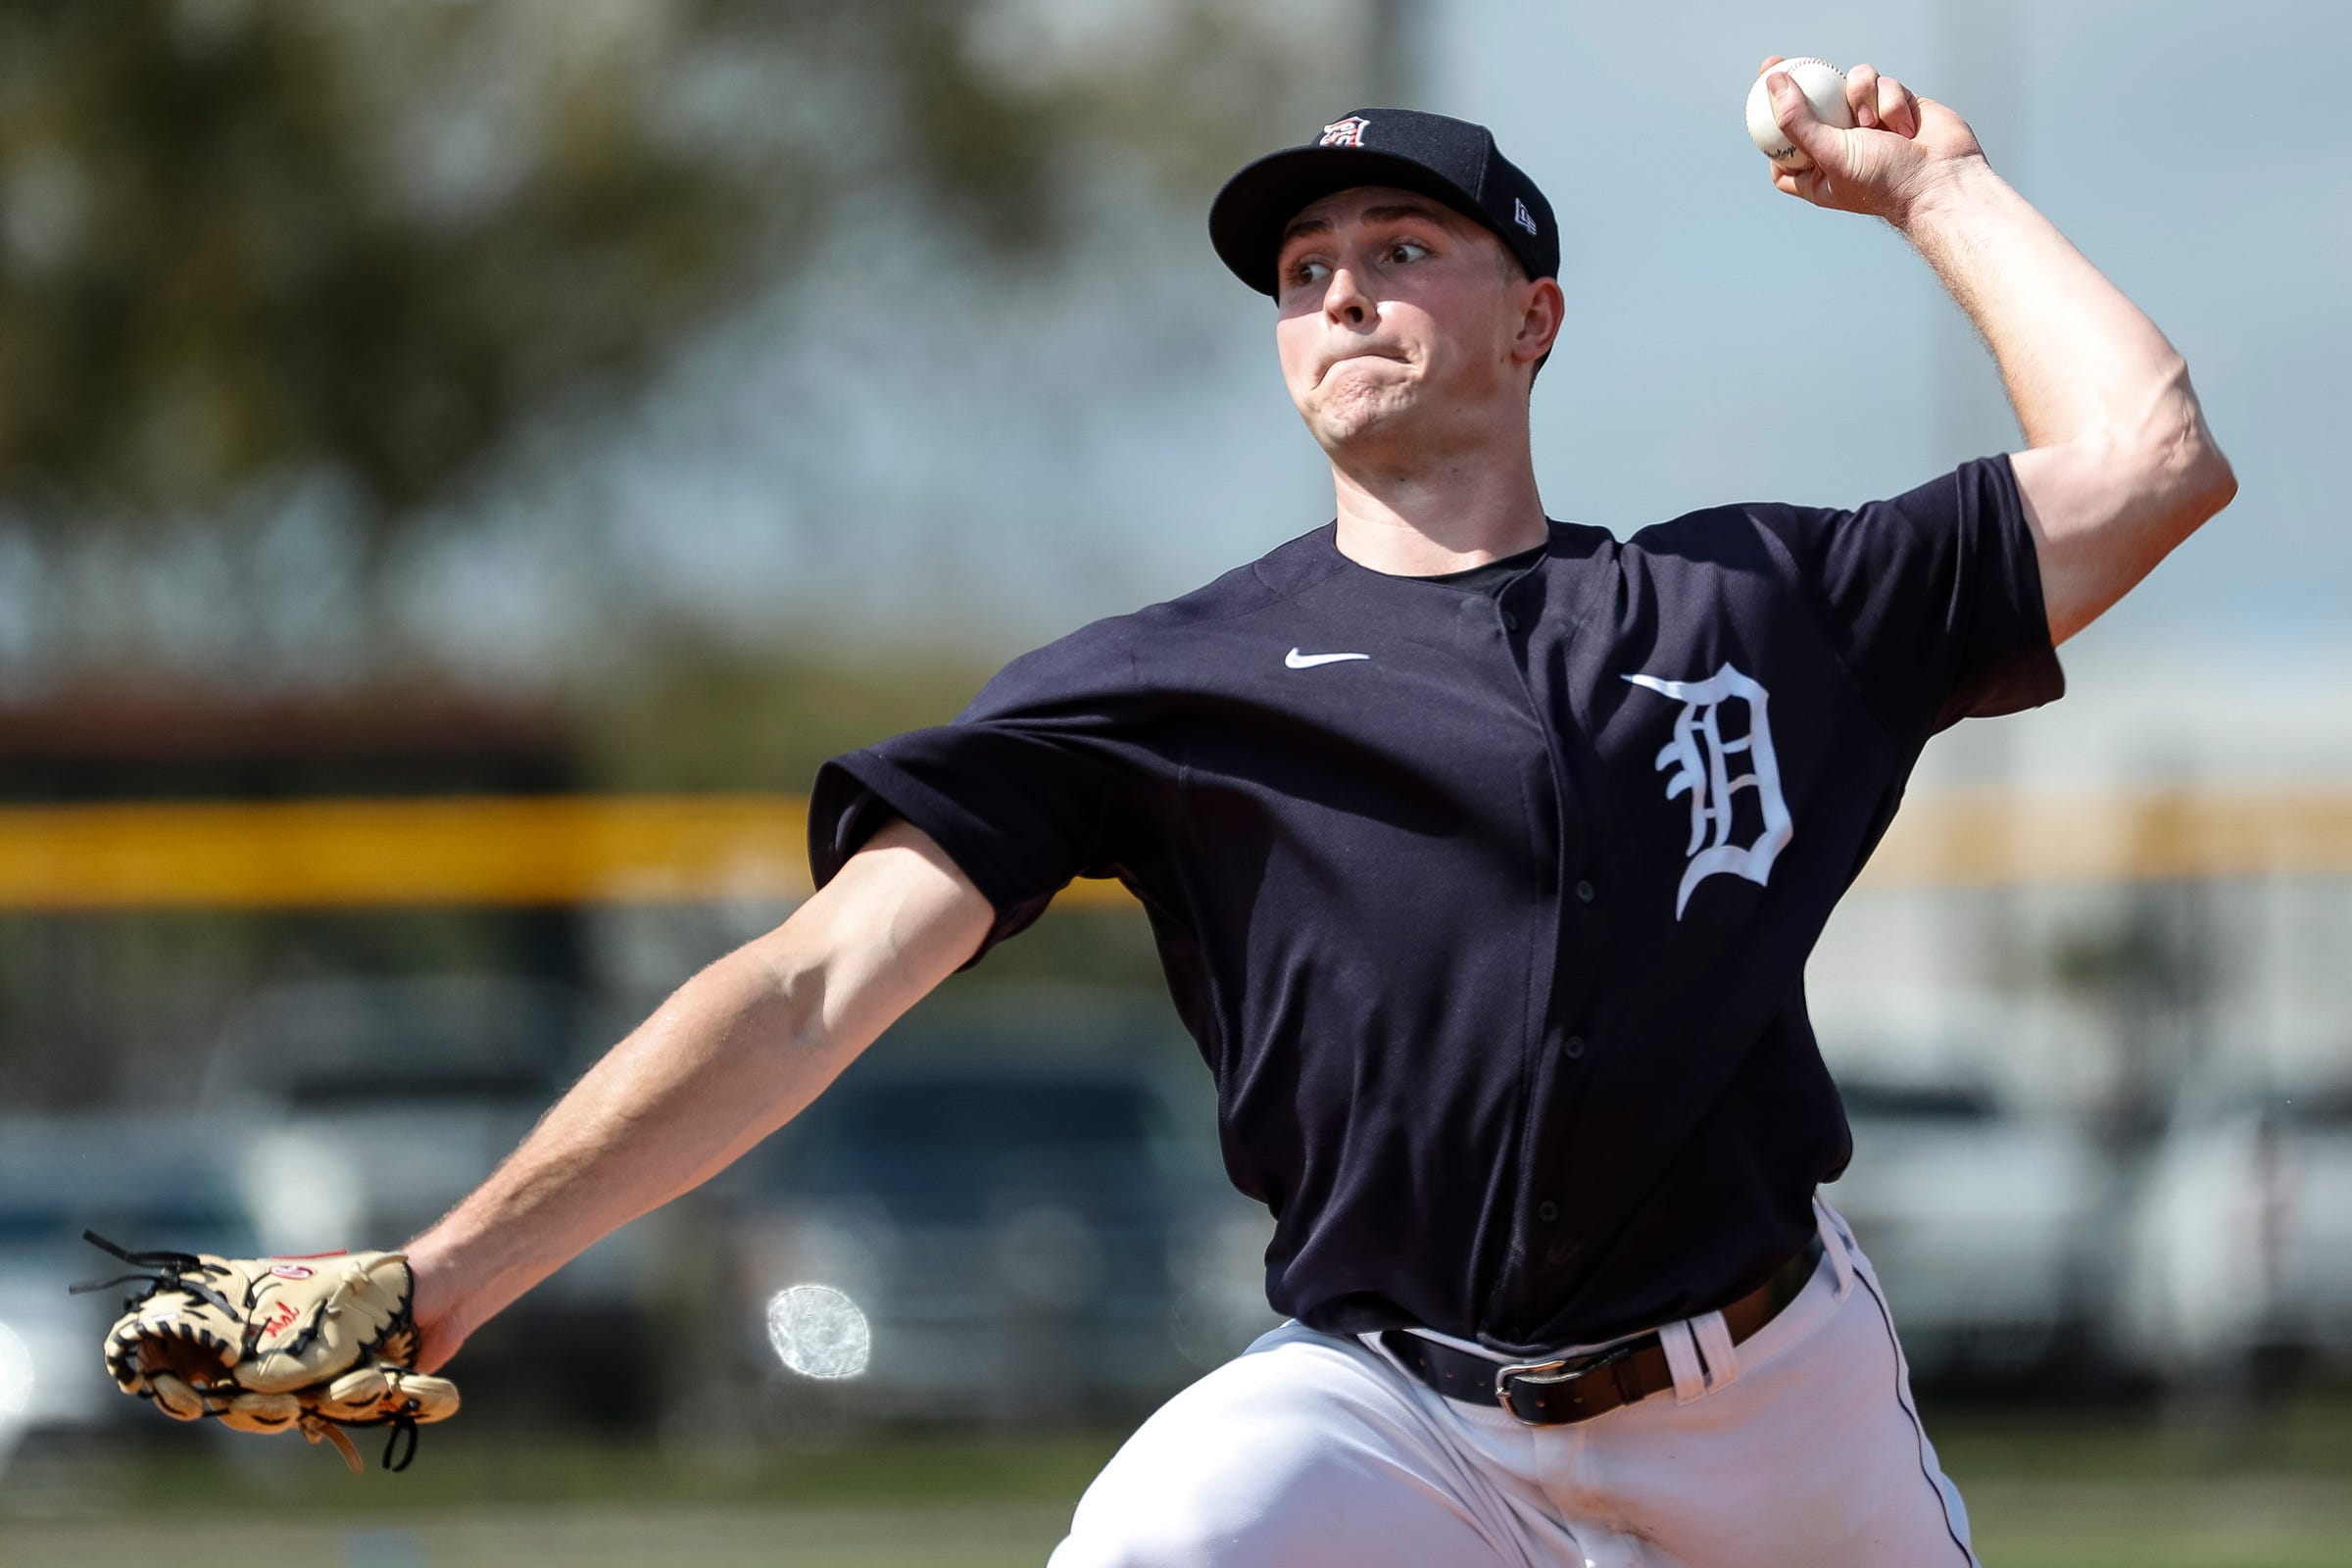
<point>1945,188</point>
<point>437,1300</point>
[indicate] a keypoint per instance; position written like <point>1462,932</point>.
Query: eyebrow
<point>1377,214</point>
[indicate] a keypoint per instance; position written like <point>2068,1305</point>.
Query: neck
<point>1438,515</point>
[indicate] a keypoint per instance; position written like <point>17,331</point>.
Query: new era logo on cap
<point>1521,216</point>
<point>1348,133</point>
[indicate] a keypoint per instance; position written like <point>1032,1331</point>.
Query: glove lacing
<point>166,1270</point>
<point>313,1427</point>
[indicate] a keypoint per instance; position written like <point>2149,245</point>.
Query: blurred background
<point>463,466</point>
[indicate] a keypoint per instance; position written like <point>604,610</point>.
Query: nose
<point>1344,302</point>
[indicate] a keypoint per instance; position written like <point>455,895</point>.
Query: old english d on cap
<point>1451,160</point>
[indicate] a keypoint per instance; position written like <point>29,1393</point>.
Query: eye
<point>1306,270</point>
<point>1401,252</point>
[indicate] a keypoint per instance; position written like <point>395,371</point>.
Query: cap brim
<point>1246,219</point>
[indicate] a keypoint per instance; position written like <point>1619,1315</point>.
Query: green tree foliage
<point>247,238</point>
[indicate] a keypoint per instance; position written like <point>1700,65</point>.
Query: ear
<point>1540,321</point>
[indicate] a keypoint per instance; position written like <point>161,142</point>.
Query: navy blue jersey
<point>1489,910</point>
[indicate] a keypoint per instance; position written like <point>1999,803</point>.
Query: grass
<point>2102,1490</point>
<point>2301,1523</point>
<point>995,1535</point>
<point>2044,1489</point>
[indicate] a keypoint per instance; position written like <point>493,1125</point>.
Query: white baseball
<point>1824,87</point>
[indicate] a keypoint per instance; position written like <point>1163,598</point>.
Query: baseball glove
<point>310,1345</point>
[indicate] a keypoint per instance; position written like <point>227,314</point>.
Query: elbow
<point>2182,465</point>
<point>2216,483</point>
<point>2196,476</point>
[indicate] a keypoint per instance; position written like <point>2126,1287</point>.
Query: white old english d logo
<point>1703,762</point>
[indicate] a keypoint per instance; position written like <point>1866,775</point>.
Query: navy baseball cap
<point>1451,160</point>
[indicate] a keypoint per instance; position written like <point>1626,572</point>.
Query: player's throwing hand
<point>1900,148</point>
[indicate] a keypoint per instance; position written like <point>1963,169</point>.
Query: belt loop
<point>1714,1338</point>
<point>1682,1359</point>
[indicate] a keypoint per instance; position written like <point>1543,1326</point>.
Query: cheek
<point>1421,326</point>
<point>1294,340</point>
<point>1459,328</point>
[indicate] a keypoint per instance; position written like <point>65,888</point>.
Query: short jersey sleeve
<point>1932,598</point>
<point>1037,782</point>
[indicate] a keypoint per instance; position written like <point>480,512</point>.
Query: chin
<point>1361,409</point>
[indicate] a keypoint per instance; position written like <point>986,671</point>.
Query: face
<point>1402,320</point>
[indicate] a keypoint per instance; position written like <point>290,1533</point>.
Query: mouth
<point>1361,354</point>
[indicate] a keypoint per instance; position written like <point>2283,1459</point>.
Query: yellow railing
<point>685,847</point>
<point>481,850</point>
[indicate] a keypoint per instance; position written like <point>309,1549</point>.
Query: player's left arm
<point>2119,465</point>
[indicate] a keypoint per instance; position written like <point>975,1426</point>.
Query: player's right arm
<point>734,1053</point>
<point>2119,466</point>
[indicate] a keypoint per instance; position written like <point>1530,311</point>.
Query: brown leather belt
<point>1545,1393</point>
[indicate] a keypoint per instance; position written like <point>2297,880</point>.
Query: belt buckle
<point>1535,1372</point>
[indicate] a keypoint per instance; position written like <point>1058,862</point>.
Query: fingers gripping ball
<point>312,1344</point>
<point>1824,87</point>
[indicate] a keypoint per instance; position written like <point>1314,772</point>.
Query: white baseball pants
<point>1800,1447</point>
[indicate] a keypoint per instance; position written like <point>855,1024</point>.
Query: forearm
<point>2079,359</point>
<point>2119,466</point>
<point>733,1055</point>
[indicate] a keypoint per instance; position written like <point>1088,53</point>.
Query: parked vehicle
<point>431,1079</point>
<point>1031,1231</point>
<point>2240,1244</point>
<point>1981,1219</point>
<point>1006,1232</point>
<point>141,1182</point>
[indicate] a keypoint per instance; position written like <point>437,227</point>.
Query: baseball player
<point>1484,852</point>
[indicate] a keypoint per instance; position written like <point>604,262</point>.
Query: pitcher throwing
<point>1484,852</point>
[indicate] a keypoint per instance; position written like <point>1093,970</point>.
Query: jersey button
<point>1510,622</point>
<point>1586,892</point>
<point>1547,1211</point>
<point>1573,1046</point>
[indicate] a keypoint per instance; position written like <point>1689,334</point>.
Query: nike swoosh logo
<point>1299,660</point>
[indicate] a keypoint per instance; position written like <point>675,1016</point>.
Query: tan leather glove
<point>312,1345</point>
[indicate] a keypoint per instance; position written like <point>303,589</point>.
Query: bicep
<point>877,937</point>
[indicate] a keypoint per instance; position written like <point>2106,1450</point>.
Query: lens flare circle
<point>818,1332</point>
